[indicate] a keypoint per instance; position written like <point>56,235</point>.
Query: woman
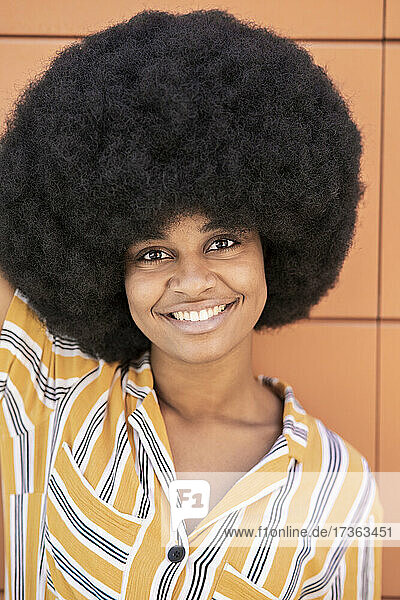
<point>169,185</point>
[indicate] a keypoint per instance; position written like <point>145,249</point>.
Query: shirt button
<point>176,553</point>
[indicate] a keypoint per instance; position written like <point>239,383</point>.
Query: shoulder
<point>346,470</point>
<point>329,449</point>
<point>39,370</point>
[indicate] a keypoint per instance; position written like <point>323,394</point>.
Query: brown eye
<point>226,240</point>
<point>142,259</point>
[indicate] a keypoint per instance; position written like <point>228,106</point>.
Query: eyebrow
<point>161,235</point>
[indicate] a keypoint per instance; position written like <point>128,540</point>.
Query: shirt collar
<point>145,416</point>
<point>296,422</point>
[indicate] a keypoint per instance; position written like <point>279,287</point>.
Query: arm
<point>6,295</point>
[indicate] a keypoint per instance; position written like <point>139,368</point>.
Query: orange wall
<point>342,361</point>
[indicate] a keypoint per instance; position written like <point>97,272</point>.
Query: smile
<point>205,325</point>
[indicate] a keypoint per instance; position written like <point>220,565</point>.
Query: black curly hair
<point>164,115</point>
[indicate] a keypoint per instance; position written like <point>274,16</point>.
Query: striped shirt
<point>86,466</point>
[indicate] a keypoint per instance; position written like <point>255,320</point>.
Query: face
<point>189,272</point>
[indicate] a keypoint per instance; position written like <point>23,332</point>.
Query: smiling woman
<point>169,186</point>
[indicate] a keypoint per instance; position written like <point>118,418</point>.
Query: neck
<point>219,390</point>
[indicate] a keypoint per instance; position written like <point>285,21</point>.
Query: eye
<point>142,258</point>
<point>225,240</point>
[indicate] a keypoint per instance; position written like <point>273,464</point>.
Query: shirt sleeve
<point>360,574</point>
<point>27,370</point>
<point>37,372</point>
<point>28,394</point>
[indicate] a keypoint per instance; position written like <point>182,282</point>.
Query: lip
<point>202,326</point>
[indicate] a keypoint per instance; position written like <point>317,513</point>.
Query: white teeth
<point>203,315</point>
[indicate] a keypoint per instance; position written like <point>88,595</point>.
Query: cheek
<point>142,295</point>
<point>135,298</point>
<point>250,276</point>
<point>261,280</point>
<point>256,286</point>
<point>130,290</point>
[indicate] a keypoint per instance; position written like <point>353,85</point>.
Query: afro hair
<point>165,115</point>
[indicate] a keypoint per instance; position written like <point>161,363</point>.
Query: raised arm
<point>6,295</point>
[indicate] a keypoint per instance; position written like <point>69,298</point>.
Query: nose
<point>192,276</point>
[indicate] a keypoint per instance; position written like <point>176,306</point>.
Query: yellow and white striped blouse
<point>86,465</point>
